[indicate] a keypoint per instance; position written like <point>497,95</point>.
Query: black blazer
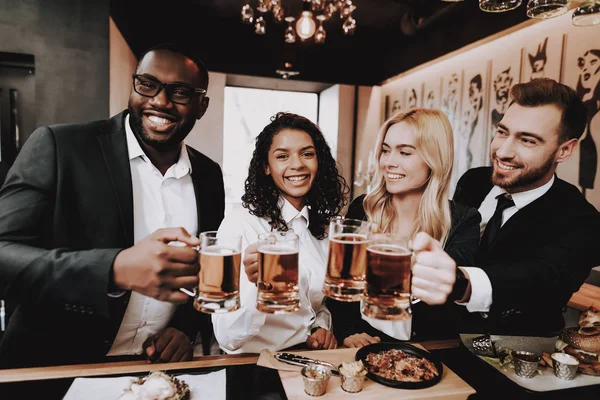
<point>66,210</point>
<point>540,257</point>
<point>429,322</point>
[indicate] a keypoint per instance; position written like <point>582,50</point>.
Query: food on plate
<point>354,368</point>
<point>157,386</point>
<point>583,342</point>
<point>400,366</point>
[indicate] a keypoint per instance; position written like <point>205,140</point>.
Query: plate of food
<point>400,365</point>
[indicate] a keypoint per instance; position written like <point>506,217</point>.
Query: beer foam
<point>355,238</point>
<point>389,249</point>
<point>218,251</point>
<point>277,249</point>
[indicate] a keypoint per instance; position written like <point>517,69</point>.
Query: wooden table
<point>133,367</point>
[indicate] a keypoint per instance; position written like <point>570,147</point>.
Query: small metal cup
<point>564,366</point>
<point>352,384</point>
<point>316,378</point>
<point>526,363</point>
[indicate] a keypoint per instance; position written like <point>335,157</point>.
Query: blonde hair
<point>435,144</point>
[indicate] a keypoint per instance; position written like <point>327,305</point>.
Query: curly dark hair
<point>326,197</point>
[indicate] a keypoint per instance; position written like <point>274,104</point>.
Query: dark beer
<point>277,279</point>
<point>346,266</point>
<point>219,280</point>
<point>388,282</point>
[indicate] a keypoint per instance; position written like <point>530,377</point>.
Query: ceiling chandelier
<point>305,26</point>
<point>587,14</point>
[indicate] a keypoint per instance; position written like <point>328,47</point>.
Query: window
<point>247,112</point>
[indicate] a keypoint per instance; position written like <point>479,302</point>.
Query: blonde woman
<point>411,194</point>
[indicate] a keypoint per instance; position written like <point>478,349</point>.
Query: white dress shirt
<point>158,202</point>
<point>481,287</point>
<point>249,330</point>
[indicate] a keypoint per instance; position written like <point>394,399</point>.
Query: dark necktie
<point>493,226</point>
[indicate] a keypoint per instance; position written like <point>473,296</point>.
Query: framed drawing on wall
<point>506,70</point>
<point>582,72</point>
<point>414,96</point>
<point>432,93</point>
<point>396,102</point>
<point>542,58</point>
<point>450,97</point>
<point>473,133</point>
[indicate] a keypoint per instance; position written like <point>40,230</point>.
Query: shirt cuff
<point>481,290</point>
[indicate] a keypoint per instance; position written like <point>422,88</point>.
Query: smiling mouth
<point>586,76</point>
<point>505,167</point>
<point>159,123</point>
<point>395,177</point>
<point>297,178</point>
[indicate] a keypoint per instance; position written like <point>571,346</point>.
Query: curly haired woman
<point>292,181</point>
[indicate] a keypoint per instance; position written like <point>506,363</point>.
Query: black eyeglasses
<point>179,93</point>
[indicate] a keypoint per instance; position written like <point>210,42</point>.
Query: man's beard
<point>526,178</point>
<point>162,146</point>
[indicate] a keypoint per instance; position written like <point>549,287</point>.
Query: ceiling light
<point>587,14</point>
<point>306,26</point>
<point>544,9</point>
<point>496,6</point>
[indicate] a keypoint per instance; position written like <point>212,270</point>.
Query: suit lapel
<point>114,148</point>
<point>200,181</point>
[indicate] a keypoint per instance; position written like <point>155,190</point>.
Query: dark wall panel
<point>69,39</point>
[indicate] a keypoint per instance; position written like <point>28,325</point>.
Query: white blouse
<point>248,330</point>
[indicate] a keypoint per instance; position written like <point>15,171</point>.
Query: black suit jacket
<point>66,210</point>
<point>429,322</point>
<point>541,255</point>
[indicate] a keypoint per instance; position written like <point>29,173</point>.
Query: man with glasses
<point>99,224</point>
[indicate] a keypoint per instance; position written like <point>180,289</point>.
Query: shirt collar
<point>183,165</point>
<point>522,199</point>
<point>289,212</point>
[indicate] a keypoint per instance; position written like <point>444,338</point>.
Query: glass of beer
<point>389,264</point>
<point>278,273</point>
<point>347,260</point>
<point>219,287</point>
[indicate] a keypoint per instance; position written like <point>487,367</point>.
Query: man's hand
<point>322,339</point>
<point>251,262</point>
<point>360,340</point>
<point>170,345</point>
<point>434,271</point>
<point>155,269</point>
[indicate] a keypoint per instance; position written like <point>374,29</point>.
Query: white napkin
<point>208,386</point>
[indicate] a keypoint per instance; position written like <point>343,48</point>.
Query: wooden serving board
<point>450,387</point>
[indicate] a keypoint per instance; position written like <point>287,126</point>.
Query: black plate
<point>362,353</point>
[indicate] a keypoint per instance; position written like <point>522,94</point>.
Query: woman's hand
<point>322,339</point>
<point>360,340</point>
<point>251,262</point>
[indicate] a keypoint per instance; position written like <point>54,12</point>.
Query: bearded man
<point>539,235</point>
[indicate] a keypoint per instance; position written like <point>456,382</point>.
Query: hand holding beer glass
<point>389,263</point>
<point>220,258</point>
<point>346,264</point>
<point>278,273</point>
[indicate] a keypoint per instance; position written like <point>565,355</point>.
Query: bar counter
<point>246,380</point>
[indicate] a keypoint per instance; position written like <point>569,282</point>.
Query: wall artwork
<point>450,97</point>
<point>506,70</point>
<point>432,93</point>
<point>582,72</point>
<point>542,58</point>
<point>473,134</point>
<point>396,102</point>
<point>414,96</point>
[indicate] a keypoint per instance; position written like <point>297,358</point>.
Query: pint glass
<point>220,259</point>
<point>346,264</point>
<point>278,273</point>
<point>389,264</point>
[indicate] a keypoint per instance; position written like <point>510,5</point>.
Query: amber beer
<point>220,260</point>
<point>278,273</point>
<point>389,264</point>
<point>346,264</point>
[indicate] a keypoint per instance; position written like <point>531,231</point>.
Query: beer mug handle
<point>413,299</point>
<point>191,293</point>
